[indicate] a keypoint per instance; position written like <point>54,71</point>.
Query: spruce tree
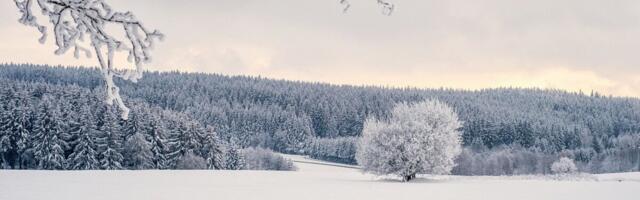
<point>137,152</point>
<point>110,141</point>
<point>212,151</point>
<point>234,160</point>
<point>155,133</point>
<point>83,129</point>
<point>185,138</point>
<point>48,142</point>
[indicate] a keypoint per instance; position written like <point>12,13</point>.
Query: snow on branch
<point>387,8</point>
<point>75,20</point>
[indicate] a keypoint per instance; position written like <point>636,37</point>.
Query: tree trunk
<point>407,178</point>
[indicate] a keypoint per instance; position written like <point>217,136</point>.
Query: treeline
<point>297,117</point>
<point>342,149</point>
<point>66,127</point>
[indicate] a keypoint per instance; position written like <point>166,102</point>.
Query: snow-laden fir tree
<point>418,138</point>
<point>294,135</point>
<point>155,133</point>
<point>84,130</point>
<point>137,152</point>
<point>48,143</point>
<point>110,141</point>
<point>14,131</point>
<point>133,125</point>
<point>185,138</point>
<point>212,151</point>
<point>234,160</point>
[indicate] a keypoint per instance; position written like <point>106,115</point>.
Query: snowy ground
<point>313,180</point>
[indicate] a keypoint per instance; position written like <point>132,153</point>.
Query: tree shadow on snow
<point>420,180</point>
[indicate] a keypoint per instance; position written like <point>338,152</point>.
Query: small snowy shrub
<point>418,138</point>
<point>264,159</point>
<point>191,161</point>
<point>563,166</point>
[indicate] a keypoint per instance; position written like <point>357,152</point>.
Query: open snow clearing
<point>313,180</point>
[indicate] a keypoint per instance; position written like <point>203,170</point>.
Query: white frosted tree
<point>75,20</point>
<point>418,138</point>
<point>564,166</point>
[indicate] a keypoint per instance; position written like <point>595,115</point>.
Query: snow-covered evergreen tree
<point>14,131</point>
<point>212,151</point>
<point>137,152</point>
<point>234,160</point>
<point>133,125</point>
<point>155,133</point>
<point>110,141</point>
<point>84,130</point>
<point>185,138</point>
<point>48,143</point>
<point>418,138</point>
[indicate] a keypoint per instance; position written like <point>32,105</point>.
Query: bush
<point>264,159</point>
<point>191,161</point>
<point>564,166</point>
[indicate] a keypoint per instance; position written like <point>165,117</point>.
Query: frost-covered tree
<point>110,141</point>
<point>133,125</point>
<point>234,160</point>
<point>155,134</point>
<point>84,130</point>
<point>191,161</point>
<point>185,138</point>
<point>264,159</point>
<point>48,143</point>
<point>14,131</point>
<point>75,20</point>
<point>212,152</point>
<point>418,138</point>
<point>137,152</point>
<point>564,165</point>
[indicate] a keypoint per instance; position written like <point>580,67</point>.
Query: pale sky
<point>566,44</point>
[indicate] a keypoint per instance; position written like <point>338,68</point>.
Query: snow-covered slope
<point>313,180</point>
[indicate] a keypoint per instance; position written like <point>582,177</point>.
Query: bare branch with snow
<point>74,20</point>
<point>387,8</point>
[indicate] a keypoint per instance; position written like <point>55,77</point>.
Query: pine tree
<point>110,141</point>
<point>155,134</point>
<point>234,160</point>
<point>185,138</point>
<point>14,131</point>
<point>212,151</point>
<point>83,129</point>
<point>137,152</point>
<point>48,143</point>
<point>133,125</point>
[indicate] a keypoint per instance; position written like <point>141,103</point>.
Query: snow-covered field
<point>313,180</point>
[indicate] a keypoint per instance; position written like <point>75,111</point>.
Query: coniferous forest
<point>56,118</point>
